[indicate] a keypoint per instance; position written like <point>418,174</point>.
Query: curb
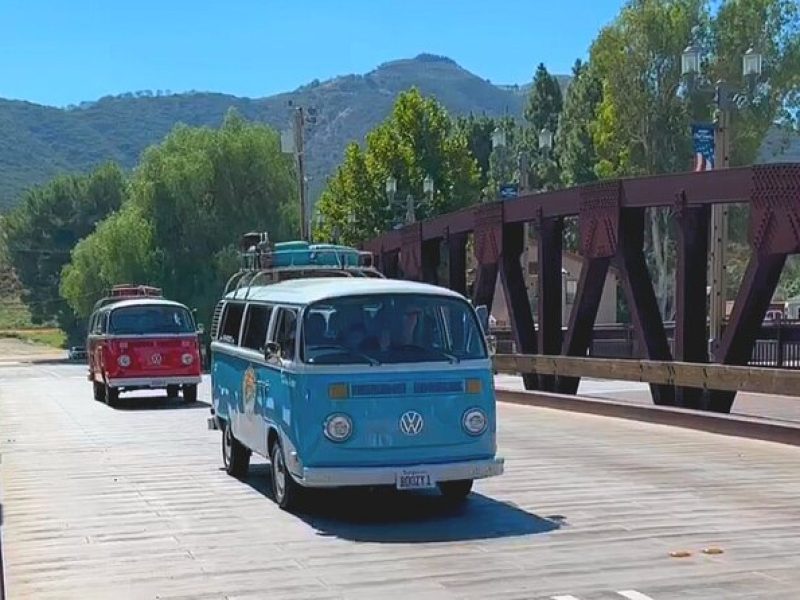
<point>723,424</point>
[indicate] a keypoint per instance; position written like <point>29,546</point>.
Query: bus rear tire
<point>456,491</point>
<point>99,391</point>
<point>286,490</point>
<point>235,455</point>
<point>111,395</point>
<point>190,393</point>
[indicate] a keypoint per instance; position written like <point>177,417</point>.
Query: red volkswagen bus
<point>138,339</point>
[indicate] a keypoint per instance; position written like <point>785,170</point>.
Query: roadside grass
<point>45,336</point>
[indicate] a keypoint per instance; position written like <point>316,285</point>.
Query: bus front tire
<point>235,456</point>
<point>111,395</point>
<point>172,391</point>
<point>456,491</point>
<point>286,490</point>
<point>190,393</point>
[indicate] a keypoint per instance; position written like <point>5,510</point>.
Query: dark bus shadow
<point>388,516</point>
<point>132,403</point>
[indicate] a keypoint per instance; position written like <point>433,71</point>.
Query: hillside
<point>36,142</point>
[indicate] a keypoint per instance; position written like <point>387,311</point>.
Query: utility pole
<point>299,152</point>
<point>719,218</point>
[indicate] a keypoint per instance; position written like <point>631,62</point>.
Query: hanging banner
<point>703,142</point>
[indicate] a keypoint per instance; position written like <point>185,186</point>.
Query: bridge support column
<point>516,293</point>
<point>430,260</point>
<point>550,239</point>
<point>774,235</point>
<point>691,333</point>
<point>638,286</point>
<point>457,262</point>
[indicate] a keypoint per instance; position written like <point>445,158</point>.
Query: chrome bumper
<point>355,476</point>
<point>155,382</point>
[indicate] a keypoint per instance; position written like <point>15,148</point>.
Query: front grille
<point>438,387</point>
<point>378,389</point>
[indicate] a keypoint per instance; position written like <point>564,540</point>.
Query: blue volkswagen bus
<point>353,381</point>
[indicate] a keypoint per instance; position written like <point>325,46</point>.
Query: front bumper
<point>366,476</point>
<point>154,382</point>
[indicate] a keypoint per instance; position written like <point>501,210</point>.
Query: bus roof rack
<point>124,291</point>
<point>265,263</point>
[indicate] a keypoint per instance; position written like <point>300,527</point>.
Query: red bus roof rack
<point>129,290</point>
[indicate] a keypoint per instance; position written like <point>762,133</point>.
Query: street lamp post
<point>725,99</point>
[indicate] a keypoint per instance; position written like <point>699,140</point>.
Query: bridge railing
<point>668,373</point>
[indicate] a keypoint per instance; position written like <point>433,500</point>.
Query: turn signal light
<point>473,386</point>
<point>337,391</point>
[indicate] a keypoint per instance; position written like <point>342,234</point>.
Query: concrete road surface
<point>132,503</point>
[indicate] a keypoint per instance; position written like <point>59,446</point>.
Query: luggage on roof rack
<point>264,263</point>
<point>123,291</point>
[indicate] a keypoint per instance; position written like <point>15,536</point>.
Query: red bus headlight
<point>187,359</point>
<point>124,360</point>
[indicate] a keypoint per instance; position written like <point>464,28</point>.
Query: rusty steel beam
<point>431,256</point>
<point>703,188</point>
<point>457,262</point>
<point>550,240</point>
<point>637,283</point>
<point>516,294</point>
<point>691,337</point>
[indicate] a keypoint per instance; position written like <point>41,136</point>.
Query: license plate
<point>414,480</point>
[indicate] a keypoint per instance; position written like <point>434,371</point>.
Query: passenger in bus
<point>315,330</point>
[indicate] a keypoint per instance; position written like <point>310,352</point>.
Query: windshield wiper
<point>373,362</point>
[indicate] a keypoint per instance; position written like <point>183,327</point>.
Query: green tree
<point>120,250</point>
<point>45,227</point>
<point>191,199</point>
<point>574,144</point>
<point>417,140</point>
<point>542,111</point>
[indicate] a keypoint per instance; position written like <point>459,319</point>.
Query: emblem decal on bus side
<point>249,390</point>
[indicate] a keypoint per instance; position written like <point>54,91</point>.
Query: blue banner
<point>703,142</point>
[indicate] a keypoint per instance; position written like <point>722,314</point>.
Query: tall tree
<point>46,226</point>
<point>191,198</point>
<point>417,140</point>
<point>542,111</point>
<point>574,144</point>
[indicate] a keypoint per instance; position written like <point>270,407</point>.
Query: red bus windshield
<point>144,320</point>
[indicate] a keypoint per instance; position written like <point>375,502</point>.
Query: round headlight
<point>338,427</point>
<point>124,360</point>
<point>187,359</point>
<point>475,421</point>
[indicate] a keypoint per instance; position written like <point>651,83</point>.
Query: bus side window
<point>255,327</point>
<point>231,323</point>
<point>285,333</point>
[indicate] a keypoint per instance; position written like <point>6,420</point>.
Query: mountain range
<point>38,142</point>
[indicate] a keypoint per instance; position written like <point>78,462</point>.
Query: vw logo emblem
<point>155,359</point>
<point>411,423</point>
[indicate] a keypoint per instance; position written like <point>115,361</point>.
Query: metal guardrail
<point>783,382</point>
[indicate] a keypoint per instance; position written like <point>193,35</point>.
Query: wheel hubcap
<point>280,474</point>
<point>226,454</point>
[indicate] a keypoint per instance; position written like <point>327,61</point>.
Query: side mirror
<point>201,329</point>
<point>272,350</point>
<point>483,317</point>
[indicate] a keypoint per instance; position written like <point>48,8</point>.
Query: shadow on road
<point>389,516</point>
<point>131,403</point>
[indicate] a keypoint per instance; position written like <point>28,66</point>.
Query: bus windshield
<point>391,328</point>
<point>153,319</point>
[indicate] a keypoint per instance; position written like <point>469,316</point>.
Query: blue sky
<point>60,52</point>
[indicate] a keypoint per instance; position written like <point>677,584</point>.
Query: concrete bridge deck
<point>132,503</point>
